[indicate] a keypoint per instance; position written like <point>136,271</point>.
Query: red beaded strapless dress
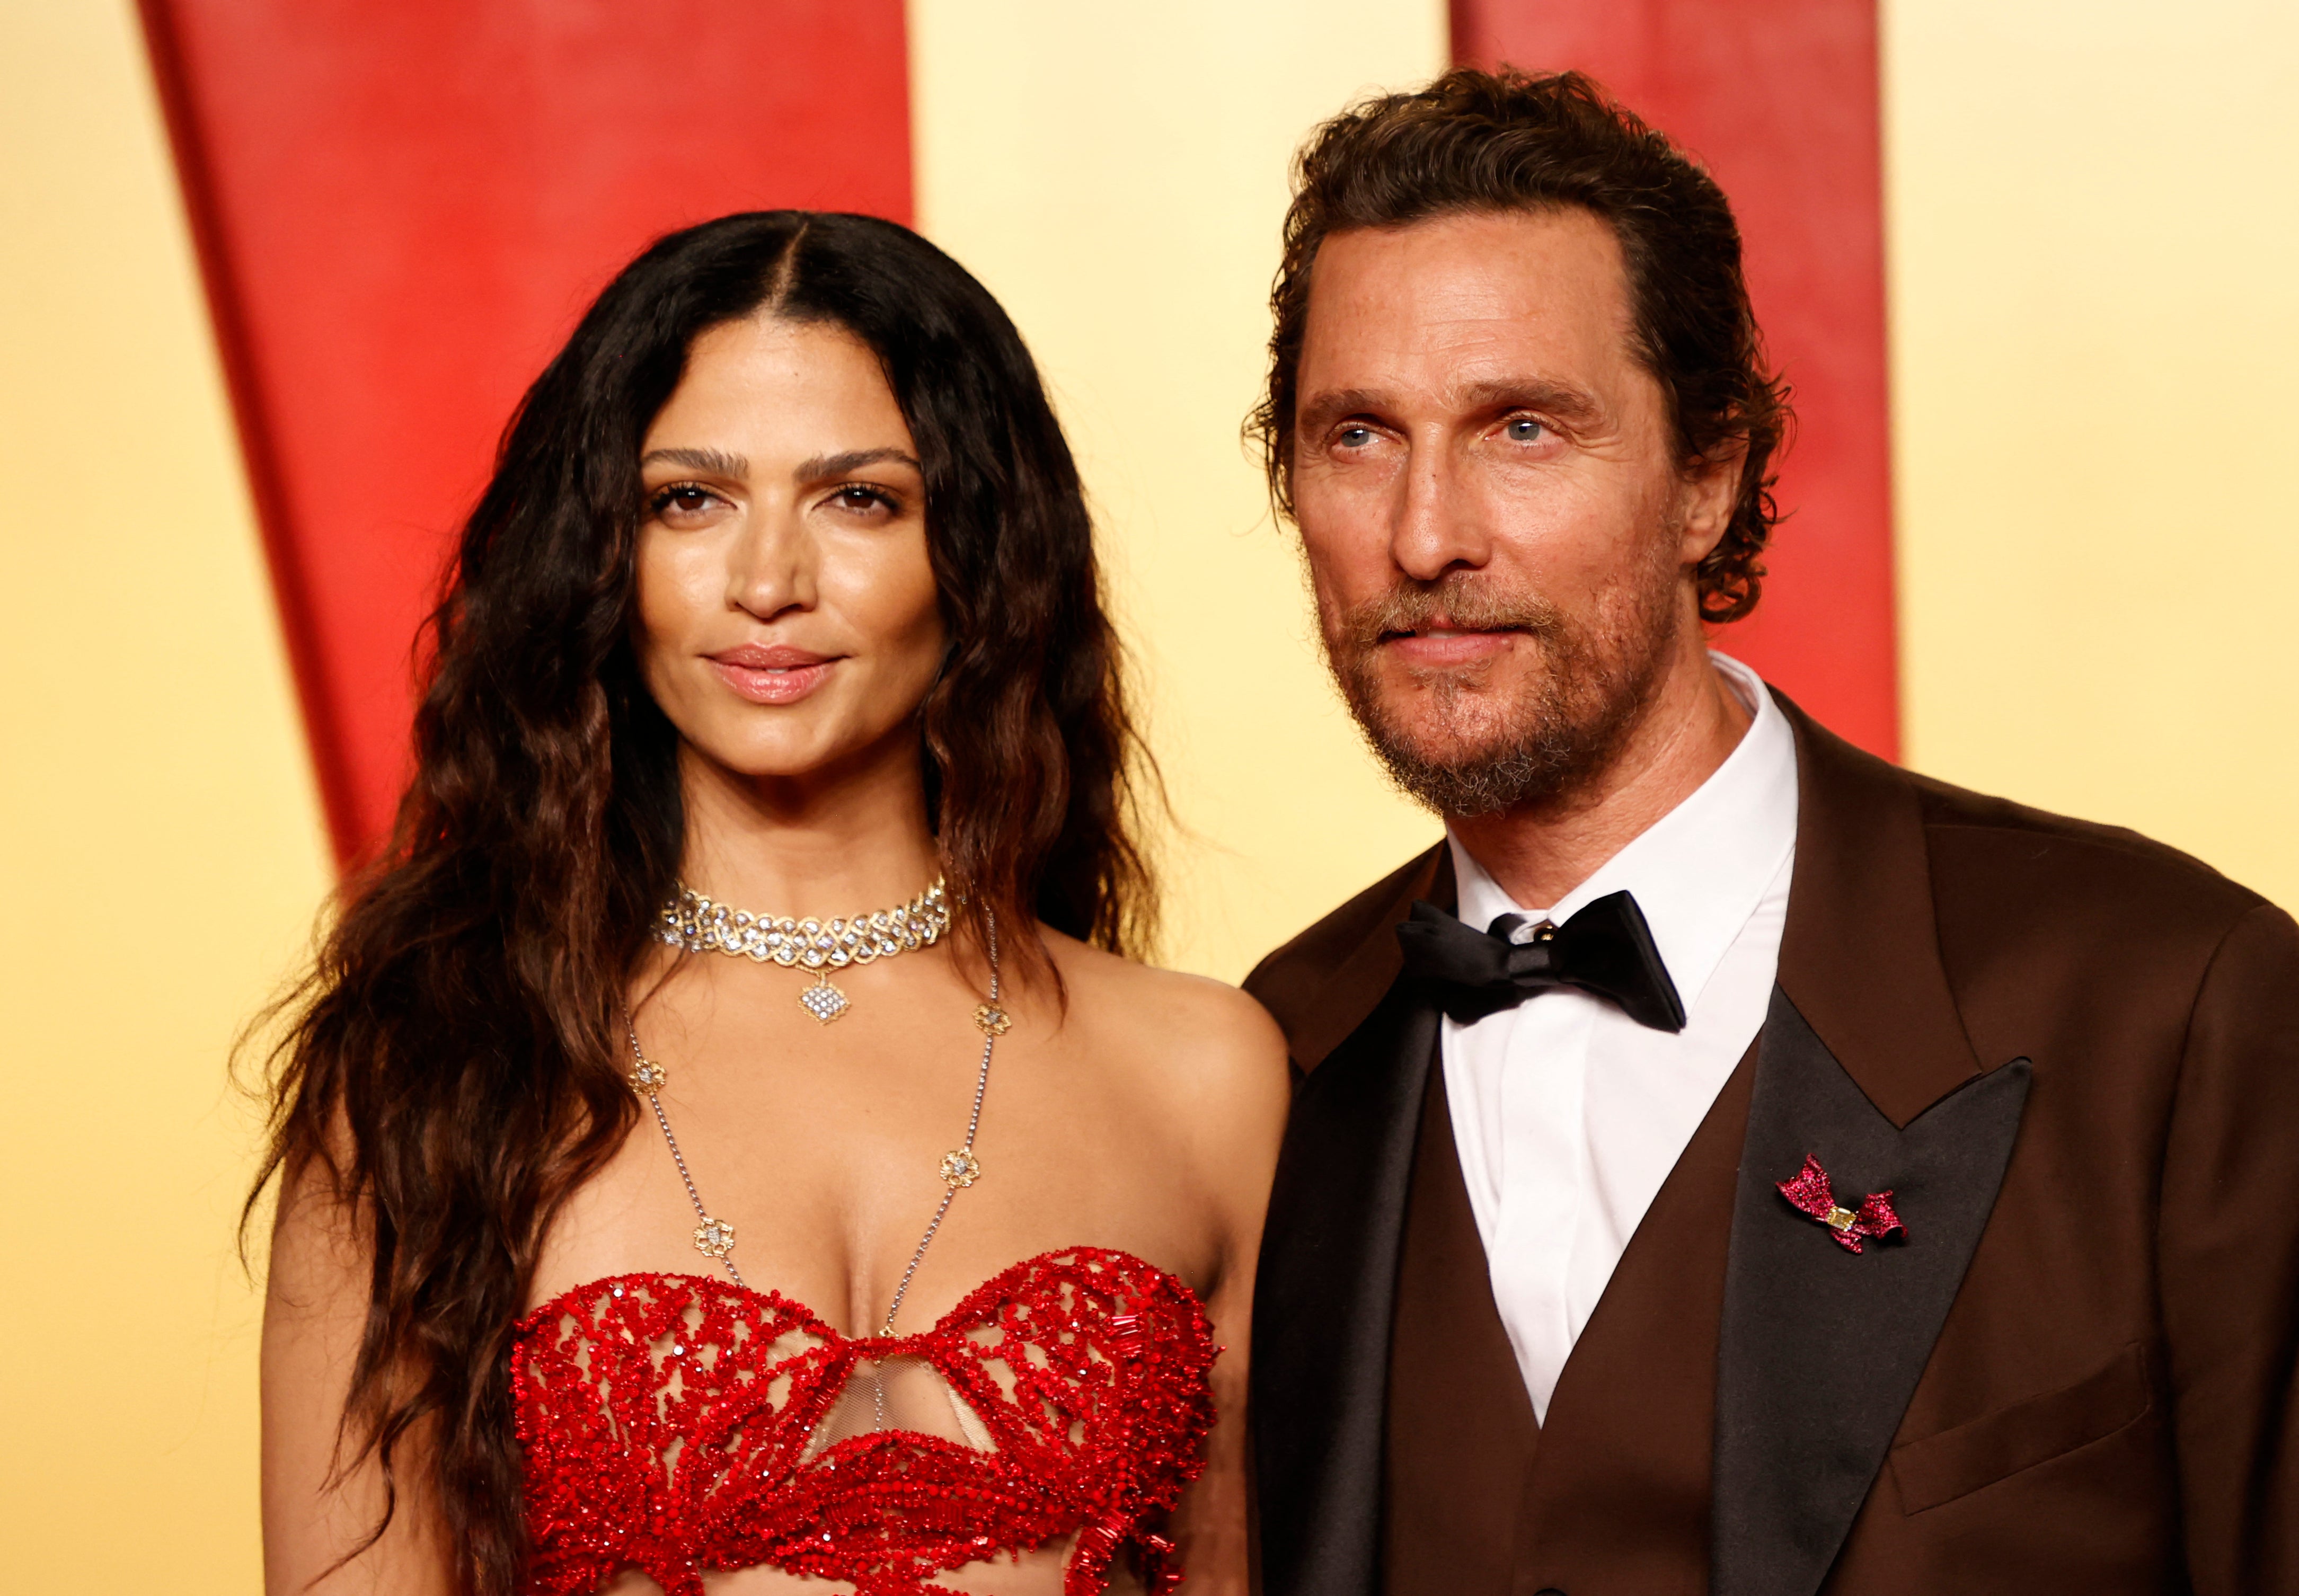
<point>680,1424</point>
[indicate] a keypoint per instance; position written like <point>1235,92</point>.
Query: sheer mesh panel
<point>906,1393</point>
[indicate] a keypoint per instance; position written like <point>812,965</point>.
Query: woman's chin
<point>827,755</point>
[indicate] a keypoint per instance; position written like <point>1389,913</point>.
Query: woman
<point>909,1250</point>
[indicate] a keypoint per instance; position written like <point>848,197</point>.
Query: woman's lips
<point>780,674</point>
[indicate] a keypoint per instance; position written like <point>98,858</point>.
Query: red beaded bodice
<point>680,1424</point>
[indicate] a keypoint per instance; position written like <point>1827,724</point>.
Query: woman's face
<point>786,605</point>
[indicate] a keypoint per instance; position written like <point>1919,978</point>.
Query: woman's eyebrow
<point>840,465</point>
<point>716,462</point>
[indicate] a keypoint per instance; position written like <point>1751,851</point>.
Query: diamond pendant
<point>824,1000</point>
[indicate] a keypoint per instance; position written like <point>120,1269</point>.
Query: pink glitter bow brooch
<point>1810,1193</point>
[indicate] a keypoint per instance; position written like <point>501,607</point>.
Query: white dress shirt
<point>1568,1114</point>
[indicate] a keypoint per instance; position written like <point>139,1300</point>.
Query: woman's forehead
<point>772,391</point>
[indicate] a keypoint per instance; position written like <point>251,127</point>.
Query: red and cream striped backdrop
<point>272,274</point>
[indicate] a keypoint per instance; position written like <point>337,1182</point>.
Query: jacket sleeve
<point>2228,1260</point>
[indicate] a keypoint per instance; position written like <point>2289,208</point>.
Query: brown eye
<point>681,500</point>
<point>862,499</point>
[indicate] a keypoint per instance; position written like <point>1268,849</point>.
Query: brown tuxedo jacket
<point>2071,1054</point>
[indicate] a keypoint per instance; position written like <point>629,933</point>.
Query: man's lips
<point>776,674</point>
<point>1437,647</point>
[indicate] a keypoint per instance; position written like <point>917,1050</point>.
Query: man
<point>1726,1162</point>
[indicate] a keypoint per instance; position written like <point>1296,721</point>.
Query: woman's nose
<point>771,564</point>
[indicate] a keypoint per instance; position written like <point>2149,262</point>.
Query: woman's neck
<point>830,843</point>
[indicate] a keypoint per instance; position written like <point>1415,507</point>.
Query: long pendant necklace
<point>693,923</point>
<point>959,1168</point>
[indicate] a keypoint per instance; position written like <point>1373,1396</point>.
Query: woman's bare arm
<point>1237,1123</point>
<point>1209,1528</point>
<point>313,1312</point>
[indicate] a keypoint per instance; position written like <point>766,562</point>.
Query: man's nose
<point>1437,528</point>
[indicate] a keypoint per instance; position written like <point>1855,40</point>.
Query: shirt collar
<point>1701,870</point>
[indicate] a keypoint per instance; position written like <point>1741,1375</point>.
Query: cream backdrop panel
<point>1116,176</point>
<point>2095,241</point>
<point>159,844</point>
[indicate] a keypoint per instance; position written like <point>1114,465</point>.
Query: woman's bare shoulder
<point>1195,1033</point>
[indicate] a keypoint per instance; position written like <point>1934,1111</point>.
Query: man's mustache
<point>1462,603</point>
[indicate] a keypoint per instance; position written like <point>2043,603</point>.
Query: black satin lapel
<point>1820,1349</point>
<point>1324,1299</point>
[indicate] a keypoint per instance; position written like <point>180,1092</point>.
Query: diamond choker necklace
<point>693,923</point>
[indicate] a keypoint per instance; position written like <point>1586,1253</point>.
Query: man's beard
<point>1460,745</point>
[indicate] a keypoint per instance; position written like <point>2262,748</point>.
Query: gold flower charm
<point>993,1020</point>
<point>960,1169</point>
<point>714,1238</point>
<point>648,1078</point>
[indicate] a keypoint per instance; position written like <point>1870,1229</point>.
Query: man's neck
<point>1538,854</point>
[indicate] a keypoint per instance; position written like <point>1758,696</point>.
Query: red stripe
<point>1778,99</point>
<point>400,209</point>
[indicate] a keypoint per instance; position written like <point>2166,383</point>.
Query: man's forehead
<point>1454,285</point>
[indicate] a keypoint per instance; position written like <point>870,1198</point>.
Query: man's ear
<point>1708,490</point>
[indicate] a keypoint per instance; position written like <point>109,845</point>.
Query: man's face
<point>1499,533</point>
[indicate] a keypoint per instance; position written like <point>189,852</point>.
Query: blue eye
<point>1354,437</point>
<point>1524,429</point>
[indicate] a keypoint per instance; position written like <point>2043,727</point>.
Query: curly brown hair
<point>1476,141</point>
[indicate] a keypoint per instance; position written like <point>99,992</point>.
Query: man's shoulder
<point>1993,847</point>
<point>1319,950</point>
<point>1294,982</point>
<point>2013,864</point>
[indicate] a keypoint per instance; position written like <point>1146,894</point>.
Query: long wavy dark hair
<point>449,1071</point>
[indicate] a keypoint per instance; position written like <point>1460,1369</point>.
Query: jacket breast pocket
<point>1955,1462</point>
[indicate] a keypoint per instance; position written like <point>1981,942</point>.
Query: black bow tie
<point>1607,949</point>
